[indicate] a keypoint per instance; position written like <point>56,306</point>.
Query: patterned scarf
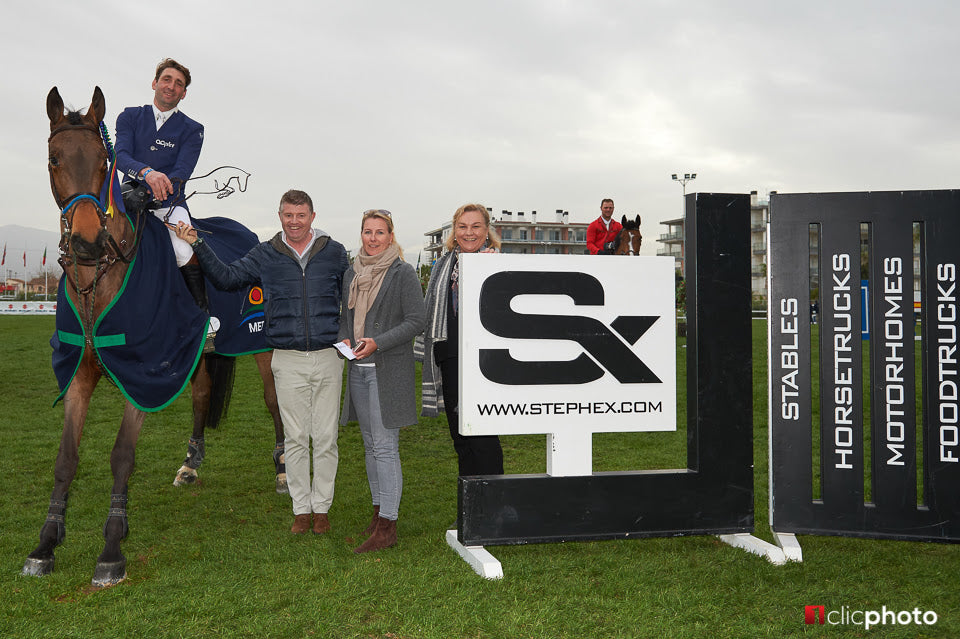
<point>369,271</point>
<point>455,275</point>
<point>455,279</point>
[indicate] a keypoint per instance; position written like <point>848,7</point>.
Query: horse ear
<point>54,107</point>
<point>638,221</point>
<point>623,221</point>
<point>98,106</point>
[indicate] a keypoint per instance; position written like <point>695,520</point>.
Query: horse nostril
<point>85,249</point>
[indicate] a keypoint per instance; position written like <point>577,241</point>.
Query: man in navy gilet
<point>158,145</point>
<point>301,271</point>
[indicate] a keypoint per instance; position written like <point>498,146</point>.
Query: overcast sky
<point>419,107</point>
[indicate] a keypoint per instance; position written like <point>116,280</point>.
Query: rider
<point>159,145</point>
<point>602,232</point>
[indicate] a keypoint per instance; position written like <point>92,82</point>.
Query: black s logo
<point>594,336</point>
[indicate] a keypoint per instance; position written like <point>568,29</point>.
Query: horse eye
<point>54,161</point>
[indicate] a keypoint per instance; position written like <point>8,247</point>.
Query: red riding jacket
<point>598,235</point>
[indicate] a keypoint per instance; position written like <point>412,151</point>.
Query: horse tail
<point>221,369</point>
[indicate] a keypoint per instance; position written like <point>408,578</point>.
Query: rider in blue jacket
<point>158,145</point>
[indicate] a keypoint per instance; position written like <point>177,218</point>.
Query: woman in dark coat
<point>470,233</point>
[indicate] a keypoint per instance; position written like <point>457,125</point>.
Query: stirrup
<point>212,329</point>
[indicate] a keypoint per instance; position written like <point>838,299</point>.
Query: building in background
<point>759,223</point>
<point>674,246</point>
<point>672,242</point>
<point>520,233</point>
<point>11,287</point>
<point>43,286</point>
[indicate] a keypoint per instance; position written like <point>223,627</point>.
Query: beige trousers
<point>308,391</point>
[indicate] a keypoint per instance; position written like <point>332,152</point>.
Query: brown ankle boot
<point>301,524</point>
<point>373,522</point>
<point>321,523</point>
<point>383,537</point>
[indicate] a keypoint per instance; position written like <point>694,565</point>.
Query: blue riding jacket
<point>174,149</point>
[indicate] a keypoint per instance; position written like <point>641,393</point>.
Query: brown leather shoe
<point>321,524</point>
<point>383,537</point>
<point>301,524</point>
<point>373,522</point>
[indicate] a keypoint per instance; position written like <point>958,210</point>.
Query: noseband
<point>66,218</point>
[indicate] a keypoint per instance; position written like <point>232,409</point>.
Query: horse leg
<point>270,399</point>
<point>201,385</point>
<point>111,564</point>
<point>75,404</point>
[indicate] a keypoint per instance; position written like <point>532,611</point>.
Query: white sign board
<point>28,308</point>
<point>567,345</point>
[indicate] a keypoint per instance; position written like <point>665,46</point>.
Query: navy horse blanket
<point>150,339</point>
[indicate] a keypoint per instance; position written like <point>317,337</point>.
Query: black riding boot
<point>193,276</point>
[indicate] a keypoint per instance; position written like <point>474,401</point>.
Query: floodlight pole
<point>687,177</point>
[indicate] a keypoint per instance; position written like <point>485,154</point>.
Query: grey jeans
<point>381,445</point>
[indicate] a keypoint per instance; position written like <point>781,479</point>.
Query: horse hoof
<point>185,475</point>
<point>282,484</point>
<point>37,567</point>
<point>109,573</point>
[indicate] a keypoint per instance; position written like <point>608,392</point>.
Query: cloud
<point>420,106</point>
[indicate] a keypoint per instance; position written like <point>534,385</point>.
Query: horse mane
<point>631,224</point>
<point>74,118</point>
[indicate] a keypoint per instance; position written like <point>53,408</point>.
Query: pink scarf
<point>369,272</point>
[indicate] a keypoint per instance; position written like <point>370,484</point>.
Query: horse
<point>208,407</point>
<point>97,247</point>
<point>629,238</point>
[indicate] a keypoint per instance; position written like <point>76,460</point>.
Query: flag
<point>4,260</point>
<point>44,263</point>
<point>24,258</point>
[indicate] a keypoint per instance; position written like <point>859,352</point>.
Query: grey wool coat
<point>396,316</point>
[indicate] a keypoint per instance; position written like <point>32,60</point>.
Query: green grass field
<point>217,559</point>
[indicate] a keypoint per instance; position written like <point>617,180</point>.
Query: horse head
<point>78,168</point>
<point>629,239</point>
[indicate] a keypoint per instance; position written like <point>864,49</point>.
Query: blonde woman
<point>471,233</point>
<point>382,312</point>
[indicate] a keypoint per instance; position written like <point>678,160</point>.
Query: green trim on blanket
<point>66,386</point>
<point>100,341</point>
<point>186,380</point>
<point>70,338</point>
<point>253,352</point>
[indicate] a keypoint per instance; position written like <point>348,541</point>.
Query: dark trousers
<point>477,454</point>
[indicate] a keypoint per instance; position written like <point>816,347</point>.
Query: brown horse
<point>97,248</point>
<point>629,239</point>
<point>208,407</point>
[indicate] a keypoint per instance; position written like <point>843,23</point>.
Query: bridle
<point>629,235</point>
<point>113,252</point>
<point>73,200</point>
